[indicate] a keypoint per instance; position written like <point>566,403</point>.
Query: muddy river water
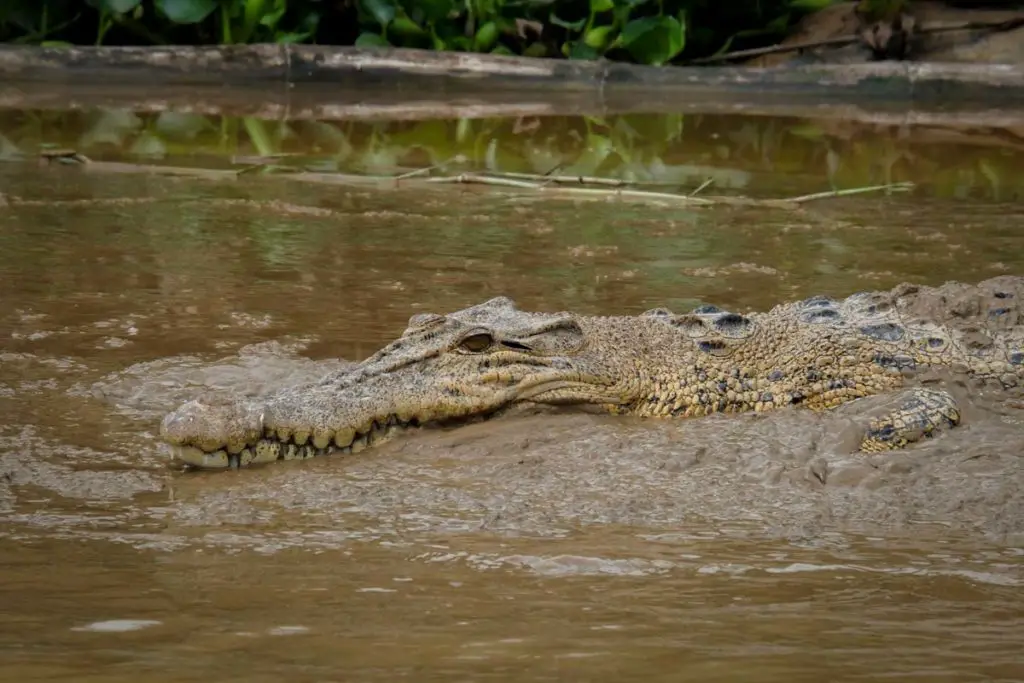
<point>541,546</point>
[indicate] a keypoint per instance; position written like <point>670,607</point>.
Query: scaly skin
<point>473,363</point>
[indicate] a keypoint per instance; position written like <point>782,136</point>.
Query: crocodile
<point>818,353</point>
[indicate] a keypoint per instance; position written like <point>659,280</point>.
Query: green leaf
<point>580,50</point>
<point>259,135</point>
<point>571,25</point>
<point>725,46</point>
<point>381,10</point>
<point>407,28</point>
<point>148,145</point>
<point>270,19</point>
<point>810,5</point>
<point>367,39</point>
<point>288,38</point>
<point>178,126</point>
<point>654,40</point>
<point>463,130</point>
<point>486,37</point>
<point>600,6</point>
<point>778,24</point>
<point>254,11</point>
<point>434,10</point>
<point>594,152</point>
<point>807,131</point>
<point>115,6</point>
<point>186,11</point>
<point>109,127</point>
<point>598,37</point>
<point>992,175</point>
<point>537,49</point>
<point>307,25</point>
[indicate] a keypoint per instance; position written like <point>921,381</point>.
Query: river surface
<point>541,546</point>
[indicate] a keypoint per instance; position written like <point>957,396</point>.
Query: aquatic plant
<point>642,31</point>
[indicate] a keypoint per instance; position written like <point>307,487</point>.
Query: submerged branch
<point>891,187</point>
<point>579,187</point>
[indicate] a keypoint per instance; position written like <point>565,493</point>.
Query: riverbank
<point>316,82</point>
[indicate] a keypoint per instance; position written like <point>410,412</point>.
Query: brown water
<point>541,547</point>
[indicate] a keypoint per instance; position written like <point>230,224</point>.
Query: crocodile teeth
<point>290,444</point>
<point>343,438</point>
<point>266,451</point>
<point>218,460</point>
<point>371,436</point>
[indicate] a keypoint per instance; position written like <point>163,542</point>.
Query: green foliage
<point>642,31</point>
<point>159,22</point>
<point>188,11</point>
<point>654,40</point>
<point>117,6</point>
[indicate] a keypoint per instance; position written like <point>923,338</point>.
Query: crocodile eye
<point>475,343</point>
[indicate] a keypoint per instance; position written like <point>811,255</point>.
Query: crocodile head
<point>442,370</point>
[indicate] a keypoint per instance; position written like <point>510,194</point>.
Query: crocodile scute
<point>818,353</point>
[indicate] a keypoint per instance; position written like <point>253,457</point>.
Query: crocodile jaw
<point>441,370</point>
<point>213,434</point>
<point>264,448</point>
<point>325,418</point>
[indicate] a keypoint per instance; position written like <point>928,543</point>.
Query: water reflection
<point>751,155</point>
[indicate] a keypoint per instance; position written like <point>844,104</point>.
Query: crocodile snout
<point>225,427</point>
